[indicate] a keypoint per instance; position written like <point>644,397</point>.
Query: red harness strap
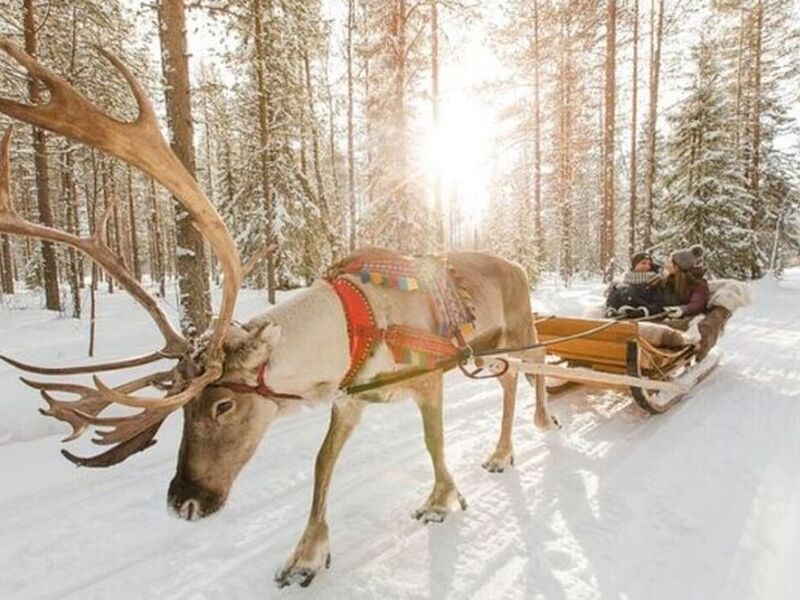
<point>262,389</point>
<point>401,338</point>
<point>362,331</point>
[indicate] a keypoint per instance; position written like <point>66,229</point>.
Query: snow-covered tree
<point>397,215</point>
<point>509,230</point>
<point>707,199</point>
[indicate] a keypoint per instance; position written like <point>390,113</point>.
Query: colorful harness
<point>409,345</point>
<point>364,333</point>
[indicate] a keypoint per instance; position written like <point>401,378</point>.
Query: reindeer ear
<point>235,339</point>
<point>269,334</point>
<point>252,347</point>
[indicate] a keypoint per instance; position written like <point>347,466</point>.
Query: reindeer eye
<point>220,408</point>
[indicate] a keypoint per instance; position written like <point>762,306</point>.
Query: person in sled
<point>685,291</point>
<point>639,293</point>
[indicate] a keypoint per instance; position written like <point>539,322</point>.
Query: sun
<point>460,152</point>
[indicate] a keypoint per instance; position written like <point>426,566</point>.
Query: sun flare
<point>459,151</point>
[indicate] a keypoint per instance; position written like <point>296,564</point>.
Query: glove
<point>673,312</point>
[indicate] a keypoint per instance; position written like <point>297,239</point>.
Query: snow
<point>702,502</point>
<point>184,252</point>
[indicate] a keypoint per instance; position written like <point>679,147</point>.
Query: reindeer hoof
<point>498,463</point>
<point>304,576</point>
<point>430,515</point>
<point>547,423</point>
<point>436,513</point>
<point>300,575</point>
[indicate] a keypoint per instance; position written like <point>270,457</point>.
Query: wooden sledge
<point>614,353</point>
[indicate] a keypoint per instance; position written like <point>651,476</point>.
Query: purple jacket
<point>698,300</point>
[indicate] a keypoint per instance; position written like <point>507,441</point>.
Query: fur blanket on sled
<point>727,293</point>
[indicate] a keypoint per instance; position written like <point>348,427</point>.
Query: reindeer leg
<point>444,497</point>
<point>542,417</point>
<point>503,455</point>
<point>312,551</point>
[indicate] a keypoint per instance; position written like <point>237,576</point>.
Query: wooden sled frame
<point>614,354</point>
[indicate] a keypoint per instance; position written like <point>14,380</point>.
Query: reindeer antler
<point>140,144</point>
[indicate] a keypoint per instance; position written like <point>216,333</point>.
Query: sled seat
<point>608,350</point>
<point>610,353</point>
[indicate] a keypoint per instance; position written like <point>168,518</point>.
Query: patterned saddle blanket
<point>430,274</point>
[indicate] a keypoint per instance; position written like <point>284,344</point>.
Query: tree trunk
<point>656,33</point>
<point>70,196</point>
<point>157,268</point>
<point>108,198</point>
<point>322,198</point>
<point>537,139</point>
<point>27,210</point>
<point>737,135</point>
<point>116,221</point>
<point>569,167</point>
<point>76,259</point>
<point>634,112</point>
<point>437,183</point>
<point>6,265</point>
<point>401,119</point>
<point>134,237</point>
<point>93,198</point>
<point>209,167</point>
<point>370,187</point>
<point>564,149</point>
<point>52,298</point>
<point>93,309</point>
<point>193,283</point>
<point>609,125</point>
<point>210,187</point>
<point>94,280</point>
<point>264,139</point>
<point>336,197</point>
<point>351,170</point>
<point>755,133</point>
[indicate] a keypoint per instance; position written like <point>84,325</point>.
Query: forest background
<point>562,134</point>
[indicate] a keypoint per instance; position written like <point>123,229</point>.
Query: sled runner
<point>617,353</point>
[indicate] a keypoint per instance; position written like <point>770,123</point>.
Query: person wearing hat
<point>685,289</point>
<point>638,294</point>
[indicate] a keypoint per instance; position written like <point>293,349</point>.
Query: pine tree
<point>708,201</point>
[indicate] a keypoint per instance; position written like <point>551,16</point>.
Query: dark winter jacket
<point>637,290</point>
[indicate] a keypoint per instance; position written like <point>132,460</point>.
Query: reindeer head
<point>222,426</point>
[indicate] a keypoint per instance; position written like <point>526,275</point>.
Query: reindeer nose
<point>192,502</point>
<point>190,510</point>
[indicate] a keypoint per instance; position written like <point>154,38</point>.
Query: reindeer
<point>237,379</point>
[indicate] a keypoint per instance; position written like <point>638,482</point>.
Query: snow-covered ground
<point>700,503</point>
